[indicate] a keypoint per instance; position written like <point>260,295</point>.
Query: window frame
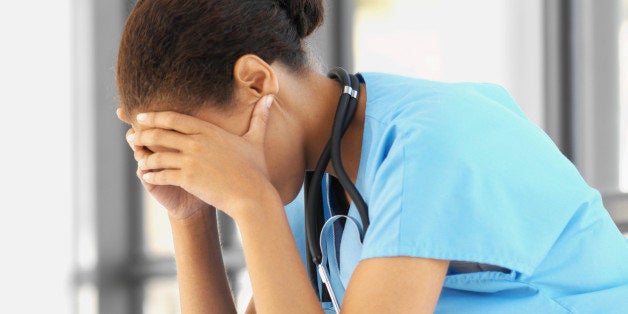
<point>104,189</point>
<point>594,98</point>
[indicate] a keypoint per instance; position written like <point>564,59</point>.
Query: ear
<point>254,77</point>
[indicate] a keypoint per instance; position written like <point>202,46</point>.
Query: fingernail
<point>269,102</point>
<point>141,117</point>
<point>147,176</point>
<point>130,137</point>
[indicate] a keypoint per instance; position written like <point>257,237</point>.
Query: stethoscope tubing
<point>347,112</point>
<point>314,221</point>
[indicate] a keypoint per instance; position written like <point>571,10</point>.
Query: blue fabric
<point>456,171</point>
<point>295,214</point>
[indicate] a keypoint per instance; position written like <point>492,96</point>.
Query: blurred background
<point>77,233</point>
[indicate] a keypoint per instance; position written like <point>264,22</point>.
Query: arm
<point>278,278</point>
<point>209,163</point>
<point>203,284</point>
<point>395,285</point>
<point>379,285</point>
<point>202,280</point>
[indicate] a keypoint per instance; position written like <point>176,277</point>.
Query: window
<point>501,41</point>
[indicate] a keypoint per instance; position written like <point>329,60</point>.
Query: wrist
<point>258,209</point>
<point>191,215</point>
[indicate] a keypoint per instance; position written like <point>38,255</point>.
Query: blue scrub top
<point>455,171</point>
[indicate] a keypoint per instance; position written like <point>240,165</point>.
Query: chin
<point>290,189</point>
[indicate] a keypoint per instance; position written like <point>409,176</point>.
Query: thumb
<point>257,128</point>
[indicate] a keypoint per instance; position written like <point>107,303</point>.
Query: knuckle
<point>138,138</point>
<point>139,154</point>
<point>195,146</point>
<point>151,160</point>
<point>147,163</point>
<point>187,177</point>
<point>167,177</point>
<point>158,176</point>
<point>189,162</point>
<point>148,136</point>
<point>154,160</point>
<point>151,136</point>
<point>170,118</point>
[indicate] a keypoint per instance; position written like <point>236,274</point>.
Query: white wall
<point>35,156</point>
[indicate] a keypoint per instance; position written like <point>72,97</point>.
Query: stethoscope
<point>314,215</point>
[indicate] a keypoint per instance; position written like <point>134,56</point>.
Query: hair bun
<point>306,15</point>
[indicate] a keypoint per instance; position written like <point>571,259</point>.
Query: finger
<point>259,120</point>
<point>130,136</point>
<point>140,173</point>
<point>141,154</point>
<point>170,120</point>
<point>165,160</point>
<point>163,177</point>
<point>122,116</point>
<point>163,138</point>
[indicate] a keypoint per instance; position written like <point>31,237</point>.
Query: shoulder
<point>411,109</point>
<point>442,156</point>
<point>452,120</point>
<point>393,98</point>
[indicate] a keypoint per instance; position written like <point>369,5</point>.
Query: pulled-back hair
<point>181,53</point>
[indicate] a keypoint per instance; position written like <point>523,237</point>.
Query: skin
<point>249,162</point>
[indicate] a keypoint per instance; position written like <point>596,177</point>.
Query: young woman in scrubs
<point>472,207</point>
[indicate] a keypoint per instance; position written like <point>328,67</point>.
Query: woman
<point>472,208</point>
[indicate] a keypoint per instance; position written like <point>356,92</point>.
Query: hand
<point>179,203</point>
<point>224,170</point>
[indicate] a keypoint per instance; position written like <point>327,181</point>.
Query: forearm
<point>203,284</point>
<point>278,278</point>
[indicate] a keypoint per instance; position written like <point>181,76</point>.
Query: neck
<point>316,102</point>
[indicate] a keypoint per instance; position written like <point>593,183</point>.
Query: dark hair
<point>182,52</point>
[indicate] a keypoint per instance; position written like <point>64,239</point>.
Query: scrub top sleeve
<point>470,182</point>
<point>497,94</point>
